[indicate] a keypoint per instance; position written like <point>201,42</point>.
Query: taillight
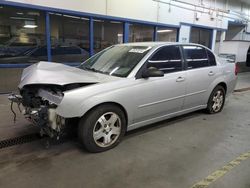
<point>236,69</point>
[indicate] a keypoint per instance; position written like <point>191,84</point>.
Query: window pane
<point>167,59</point>
<point>22,34</point>
<point>211,58</point>
<point>107,33</point>
<point>235,31</point>
<point>140,33</point>
<point>166,34</point>
<point>69,38</point>
<point>195,56</point>
<point>201,36</point>
<point>218,36</point>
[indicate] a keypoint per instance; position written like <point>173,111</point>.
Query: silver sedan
<point>122,88</point>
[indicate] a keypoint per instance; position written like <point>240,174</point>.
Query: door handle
<point>180,79</point>
<point>211,73</point>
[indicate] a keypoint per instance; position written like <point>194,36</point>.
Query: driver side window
<point>167,59</point>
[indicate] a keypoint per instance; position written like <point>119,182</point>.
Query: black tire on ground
<point>210,103</point>
<point>87,124</point>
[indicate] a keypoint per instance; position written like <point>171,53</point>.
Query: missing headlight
<point>54,98</point>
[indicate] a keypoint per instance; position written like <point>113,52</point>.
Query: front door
<point>158,97</point>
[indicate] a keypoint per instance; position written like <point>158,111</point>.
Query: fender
<point>212,86</point>
<point>77,102</point>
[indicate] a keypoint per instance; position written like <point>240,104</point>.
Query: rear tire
<point>216,100</point>
<point>102,128</point>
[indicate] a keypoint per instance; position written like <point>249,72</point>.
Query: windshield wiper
<point>91,69</point>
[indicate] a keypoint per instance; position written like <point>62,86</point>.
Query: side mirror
<point>152,72</point>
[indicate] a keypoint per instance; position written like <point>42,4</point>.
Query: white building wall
<point>133,9</point>
<point>210,13</point>
<point>213,13</point>
<point>91,6</point>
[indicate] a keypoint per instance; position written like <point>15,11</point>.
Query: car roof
<point>157,44</point>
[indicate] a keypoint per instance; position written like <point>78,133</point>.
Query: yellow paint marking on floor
<point>221,172</point>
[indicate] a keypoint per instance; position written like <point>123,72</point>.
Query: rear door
<point>201,71</point>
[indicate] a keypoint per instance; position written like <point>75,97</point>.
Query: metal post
<point>47,20</point>
<point>155,33</point>
<point>91,36</point>
<point>177,34</point>
<point>213,39</point>
<point>126,32</point>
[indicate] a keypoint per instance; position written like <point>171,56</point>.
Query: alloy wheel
<point>218,99</point>
<point>107,129</point>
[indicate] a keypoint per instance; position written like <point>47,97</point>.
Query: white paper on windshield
<point>139,50</point>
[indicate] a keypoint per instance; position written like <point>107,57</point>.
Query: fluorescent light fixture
<point>98,20</point>
<point>33,13</point>
<point>75,17</point>
<point>57,14</point>
<point>30,24</point>
<point>84,18</point>
<point>20,18</point>
<point>115,22</point>
<point>68,16</point>
<point>164,31</point>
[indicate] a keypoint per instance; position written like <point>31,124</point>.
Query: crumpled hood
<point>59,74</point>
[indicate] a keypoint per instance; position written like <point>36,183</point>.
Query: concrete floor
<point>176,153</point>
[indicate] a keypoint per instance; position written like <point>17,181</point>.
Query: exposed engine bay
<point>39,102</point>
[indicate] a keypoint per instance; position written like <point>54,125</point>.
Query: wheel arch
<point>217,82</point>
<point>224,85</point>
<point>108,103</point>
<point>210,99</point>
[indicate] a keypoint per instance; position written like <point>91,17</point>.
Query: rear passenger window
<point>196,57</point>
<point>167,59</point>
<point>211,58</point>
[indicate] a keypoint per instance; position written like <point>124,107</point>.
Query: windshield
<point>116,60</point>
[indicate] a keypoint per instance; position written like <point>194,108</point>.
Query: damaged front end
<point>41,91</point>
<point>39,107</point>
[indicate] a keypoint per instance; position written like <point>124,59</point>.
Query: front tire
<point>102,128</point>
<point>216,100</point>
